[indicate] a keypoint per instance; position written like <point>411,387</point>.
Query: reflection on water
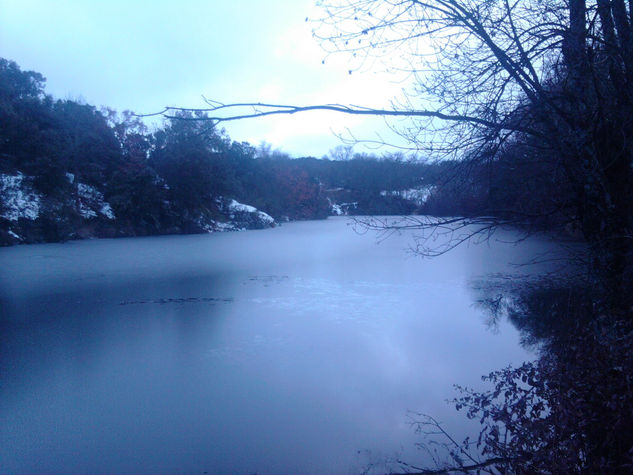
<point>568,411</point>
<point>545,309</point>
<point>295,349</point>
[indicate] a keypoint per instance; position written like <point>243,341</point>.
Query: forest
<point>70,171</point>
<point>64,161</point>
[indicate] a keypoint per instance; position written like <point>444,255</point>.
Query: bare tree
<point>473,62</point>
<point>546,78</point>
<point>554,75</point>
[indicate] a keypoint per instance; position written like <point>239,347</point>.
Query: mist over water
<point>297,349</point>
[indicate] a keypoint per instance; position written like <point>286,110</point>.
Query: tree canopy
<point>178,177</point>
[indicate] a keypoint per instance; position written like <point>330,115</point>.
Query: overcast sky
<point>143,55</point>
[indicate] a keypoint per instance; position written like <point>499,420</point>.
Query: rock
<point>243,216</point>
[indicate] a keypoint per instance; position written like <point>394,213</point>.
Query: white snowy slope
<point>90,203</point>
<point>234,208</point>
<point>18,199</point>
<point>417,195</point>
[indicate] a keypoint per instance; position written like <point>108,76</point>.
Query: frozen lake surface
<point>297,349</point>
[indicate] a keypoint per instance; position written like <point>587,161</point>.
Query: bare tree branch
<point>259,109</point>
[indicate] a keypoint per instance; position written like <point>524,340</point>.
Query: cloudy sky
<point>143,55</point>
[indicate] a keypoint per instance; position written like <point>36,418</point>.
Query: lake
<point>298,349</point>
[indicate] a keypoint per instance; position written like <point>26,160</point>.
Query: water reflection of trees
<point>543,309</point>
<point>570,410</point>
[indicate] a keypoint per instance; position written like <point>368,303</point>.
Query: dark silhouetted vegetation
<point>84,172</point>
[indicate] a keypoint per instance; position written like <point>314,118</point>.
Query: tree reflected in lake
<point>568,411</point>
<point>543,309</point>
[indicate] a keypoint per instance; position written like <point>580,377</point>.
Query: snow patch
<point>265,218</point>
<point>90,202</point>
<point>416,195</point>
<point>343,209</point>
<point>18,199</point>
<point>220,226</point>
<point>235,206</point>
<point>244,216</point>
<point>213,226</point>
<point>106,210</point>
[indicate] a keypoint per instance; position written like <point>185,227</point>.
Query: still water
<point>298,349</point>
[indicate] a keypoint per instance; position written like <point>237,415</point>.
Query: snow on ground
<point>212,226</point>
<point>265,218</point>
<point>91,202</point>
<point>342,209</point>
<point>241,216</point>
<point>219,226</point>
<point>418,195</point>
<point>18,199</point>
<point>106,210</point>
<point>237,207</point>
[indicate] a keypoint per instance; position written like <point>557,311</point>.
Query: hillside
<point>70,171</point>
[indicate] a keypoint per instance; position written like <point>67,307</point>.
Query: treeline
<point>70,170</point>
<point>515,187</point>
